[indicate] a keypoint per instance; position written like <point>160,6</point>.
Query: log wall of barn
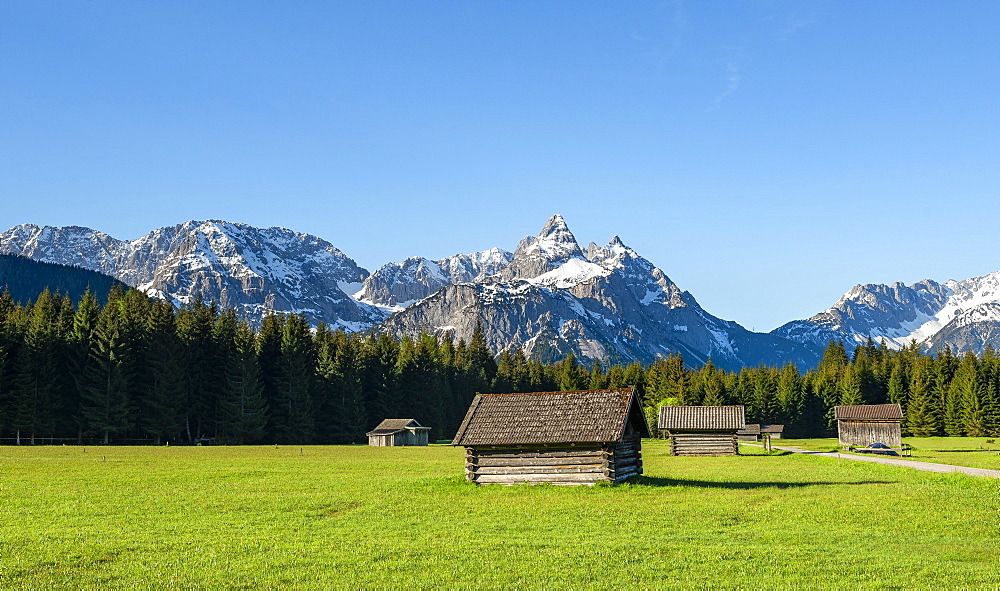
<point>865,433</point>
<point>703,444</point>
<point>581,464</point>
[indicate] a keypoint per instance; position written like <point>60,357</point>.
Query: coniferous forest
<point>136,370</point>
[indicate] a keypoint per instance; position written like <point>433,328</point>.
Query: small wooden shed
<point>775,431</point>
<point>395,432</point>
<point>702,430</point>
<point>864,424</point>
<point>749,432</point>
<point>580,437</point>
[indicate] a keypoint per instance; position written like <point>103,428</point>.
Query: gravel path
<point>925,466</point>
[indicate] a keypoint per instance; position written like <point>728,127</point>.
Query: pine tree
<point>765,401</point>
<point>268,359</point>
<point>36,386</point>
<point>294,421</point>
<point>712,385</point>
<point>244,410</point>
<point>570,375</point>
<point>897,390</point>
<point>974,400</point>
<point>160,405</point>
<point>850,387</point>
<point>104,401</point>
<point>597,380</point>
<point>790,396</point>
<point>921,411</point>
<point>79,343</point>
<point>196,326</point>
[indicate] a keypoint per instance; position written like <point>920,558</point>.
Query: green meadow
<point>975,452</point>
<point>360,517</point>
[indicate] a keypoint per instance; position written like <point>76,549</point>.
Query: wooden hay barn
<point>396,432</point>
<point>581,437</point>
<point>702,430</point>
<point>775,431</point>
<point>864,424</point>
<point>750,432</point>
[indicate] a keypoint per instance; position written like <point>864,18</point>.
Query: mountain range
<point>549,296</point>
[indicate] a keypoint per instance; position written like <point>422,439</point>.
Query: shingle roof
<point>702,418</point>
<point>389,426</point>
<point>870,412</point>
<point>550,417</point>
<point>751,429</point>
<point>772,428</point>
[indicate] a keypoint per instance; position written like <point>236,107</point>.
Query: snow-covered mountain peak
<point>554,245</point>
<point>554,242</point>
<point>957,314</point>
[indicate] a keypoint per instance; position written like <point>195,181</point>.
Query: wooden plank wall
<point>865,433</point>
<point>703,444</point>
<point>380,440</point>
<point>569,465</point>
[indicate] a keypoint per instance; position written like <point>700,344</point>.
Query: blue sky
<point>766,155</point>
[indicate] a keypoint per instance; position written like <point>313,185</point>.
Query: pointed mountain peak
<point>555,241</point>
<point>555,223</point>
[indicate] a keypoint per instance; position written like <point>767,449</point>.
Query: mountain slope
<point>249,269</point>
<point>961,315</point>
<point>396,285</point>
<point>608,303</point>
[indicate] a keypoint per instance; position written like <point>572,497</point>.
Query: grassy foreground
<point>975,452</point>
<point>366,517</point>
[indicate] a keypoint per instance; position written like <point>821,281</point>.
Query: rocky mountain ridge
<point>249,269</point>
<point>962,315</point>
<point>549,295</point>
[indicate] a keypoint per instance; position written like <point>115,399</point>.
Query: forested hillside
<point>137,370</point>
<point>25,279</point>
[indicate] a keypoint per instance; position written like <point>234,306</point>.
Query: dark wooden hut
<point>864,424</point>
<point>775,431</point>
<point>580,437</point>
<point>749,432</point>
<point>702,430</point>
<point>395,432</point>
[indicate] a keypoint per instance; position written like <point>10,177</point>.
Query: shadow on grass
<point>658,481</point>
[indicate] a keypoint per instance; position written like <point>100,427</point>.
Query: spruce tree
<point>244,410</point>
<point>160,404</point>
<point>36,386</point>
<point>790,396</point>
<point>921,412</point>
<point>104,400</point>
<point>293,409</point>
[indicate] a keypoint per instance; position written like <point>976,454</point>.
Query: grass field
<point>364,517</point>
<point>960,451</point>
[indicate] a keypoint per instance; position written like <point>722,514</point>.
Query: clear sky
<point>766,155</point>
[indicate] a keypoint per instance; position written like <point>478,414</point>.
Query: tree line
<point>138,370</point>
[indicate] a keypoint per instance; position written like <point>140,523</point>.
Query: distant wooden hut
<point>702,430</point>
<point>580,437</point>
<point>775,431</point>
<point>750,432</point>
<point>395,432</point>
<point>864,424</point>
